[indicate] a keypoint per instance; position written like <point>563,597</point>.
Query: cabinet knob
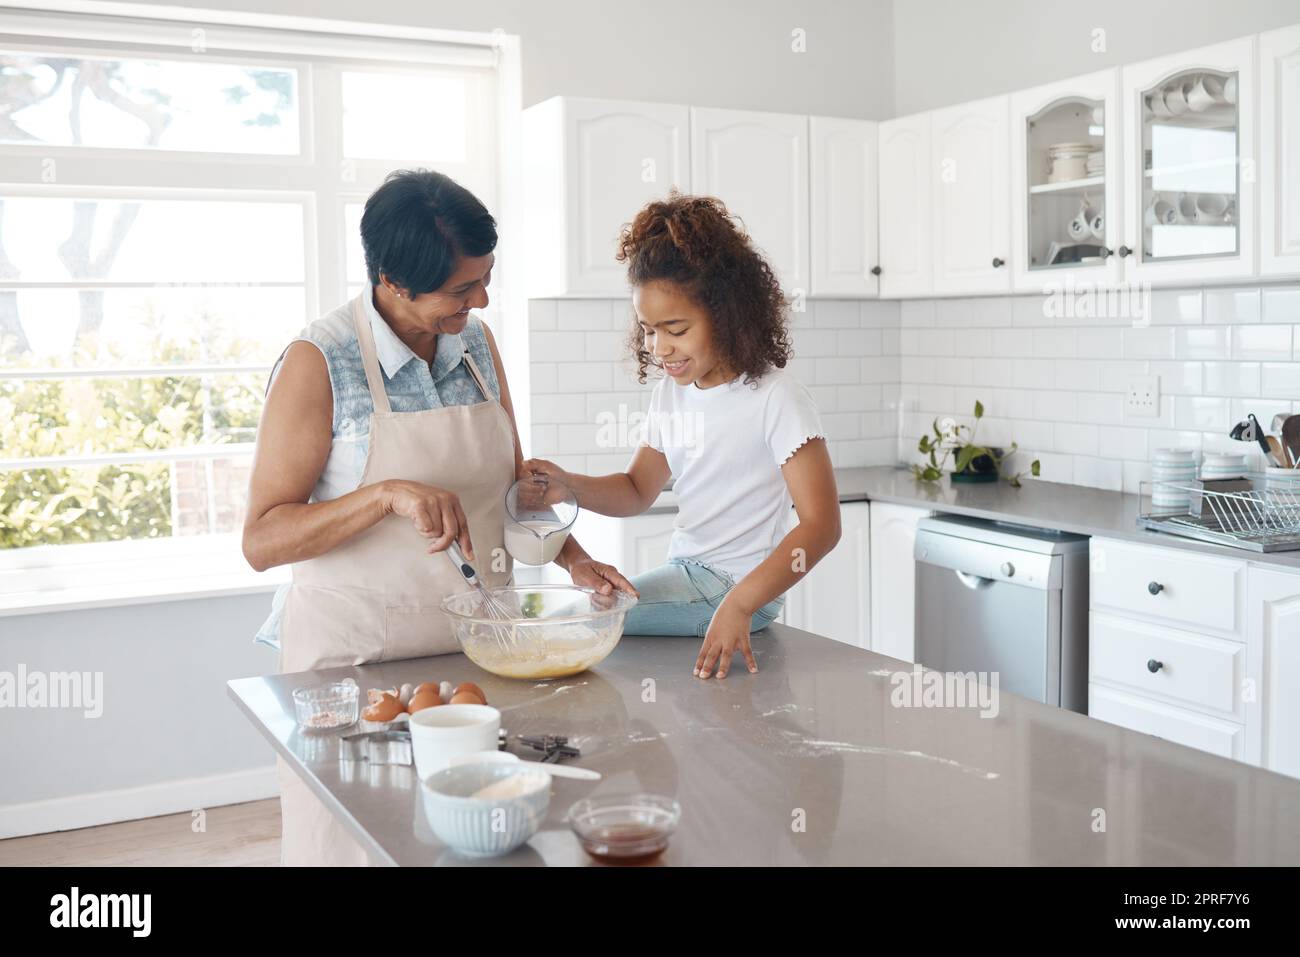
<point>875,270</point>
<point>1153,666</point>
<point>1107,252</point>
<point>1008,569</point>
<point>1124,252</point>
<point>1155,588</point>
<point>998,262</point>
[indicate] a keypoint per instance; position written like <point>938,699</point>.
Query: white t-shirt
<point>726,446</point>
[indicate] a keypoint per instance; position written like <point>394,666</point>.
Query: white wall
<point>732,53</point>
<point>952,51</point>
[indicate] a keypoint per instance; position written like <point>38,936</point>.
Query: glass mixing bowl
<point>554,630</point>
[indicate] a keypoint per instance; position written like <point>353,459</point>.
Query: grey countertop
<point>811,762</point>
<point>1051,505</point>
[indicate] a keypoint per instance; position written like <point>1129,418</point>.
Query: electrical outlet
<point>1143,397</point>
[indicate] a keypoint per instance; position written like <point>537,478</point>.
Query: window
<point>175,205</point>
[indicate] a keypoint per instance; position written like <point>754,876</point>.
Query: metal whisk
<point>492,606</point>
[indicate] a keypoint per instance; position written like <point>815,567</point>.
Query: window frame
<point>315,48</point>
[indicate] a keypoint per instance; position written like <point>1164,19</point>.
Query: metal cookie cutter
<point>377,747</point>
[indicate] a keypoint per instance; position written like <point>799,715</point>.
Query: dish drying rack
<point>1257,512</point>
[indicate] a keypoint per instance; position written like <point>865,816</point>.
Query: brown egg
<point>426,686</point>
<point>425,699</point>
<point>386,709</point>
<point>468,687</point>
<point>466,697</point>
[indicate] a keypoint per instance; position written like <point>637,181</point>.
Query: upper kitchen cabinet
<point>1065,164</point>
<point>1279,152</point>
<point>589,165</point>
<point>906,195</point>
<point>757,164</point>
<point>843,180</point>
<point>970,148</point>
<point>1189,165</point>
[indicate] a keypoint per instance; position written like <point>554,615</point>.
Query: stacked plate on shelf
<point>1068,161</point>
<point>1172,471</point>
<point>1096,163</point>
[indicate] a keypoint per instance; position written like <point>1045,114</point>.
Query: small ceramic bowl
<point>487,826</point>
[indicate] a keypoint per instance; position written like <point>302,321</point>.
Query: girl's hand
<point>728,630</point>
<point>435,513</point>
<point>589,573</point>
<point>550,470</point>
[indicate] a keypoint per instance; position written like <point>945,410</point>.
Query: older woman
<point>388,433</point>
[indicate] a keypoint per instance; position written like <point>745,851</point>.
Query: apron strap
<point>478,376</point>
<point>369,358</point>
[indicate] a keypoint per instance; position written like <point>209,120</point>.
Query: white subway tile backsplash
<point>1176,378</point>
<point>1263,342</point>
<point>1013,342</point>
<point>1232,305</point>
<point>841,370</point>
<point>881,371</point>
<point>815,342</point>
<point>1202,342</point>
<point>836,314</point>
<point>606,346</point>
<point>1280,379</point>
<point>1231,378</point>
<point>557,346</point>
<point>1281,304</point>
<point>917,313</point>
<point>1176,307</point>
<point>1122,443</point>
<point>541,315</point>
<point>560,407</point>
<point>1200,412</point>
<point>1076,439</point>
<point>1149,342</point>
<point>583,314</point>
<point>1103,408</point>
<point>1098,473</point>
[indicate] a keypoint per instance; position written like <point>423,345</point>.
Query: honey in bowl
<point>627,843</point>
<point>625,828</point>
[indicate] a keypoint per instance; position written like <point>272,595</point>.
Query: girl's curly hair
<point>694,243</point>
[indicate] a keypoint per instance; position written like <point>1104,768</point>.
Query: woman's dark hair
<point>694,243</point>
<point>417,224</point>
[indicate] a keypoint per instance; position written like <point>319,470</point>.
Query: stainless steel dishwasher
<point>994,597</point>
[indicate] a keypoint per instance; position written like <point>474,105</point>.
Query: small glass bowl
<point>327,707</point>
<point>625,828</point>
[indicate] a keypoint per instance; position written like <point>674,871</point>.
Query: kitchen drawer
<point>1182,587</point>
<point>1197,670</point>
<point>1165,721</point>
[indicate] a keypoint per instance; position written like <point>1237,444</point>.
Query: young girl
<point>740,437</point>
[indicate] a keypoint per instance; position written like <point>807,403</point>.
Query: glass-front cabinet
<point>1189,163</point>
<point>1066,161</point>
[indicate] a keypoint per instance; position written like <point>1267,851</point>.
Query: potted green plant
<point>970,462</point>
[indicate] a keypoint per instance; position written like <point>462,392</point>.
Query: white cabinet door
<point>757,163</point>
<point>1273,667</point>
<point>834,599</point>
<point>1189,174</point>
<point>1045,202</point>
<point>893,579</point>
<point>633,545</point>
<point>589,166</point>
<point>970,153</point>
<point>1279,153</point>
<point>842,176</point>
<point>906,196</point>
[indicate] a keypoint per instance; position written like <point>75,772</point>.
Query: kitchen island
<point>810,762</point>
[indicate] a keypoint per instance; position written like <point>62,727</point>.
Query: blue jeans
<point>680,598</point>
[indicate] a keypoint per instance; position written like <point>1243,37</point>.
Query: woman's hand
<point>728,630</point>
<point>435,513</point>
<point>589,573</point>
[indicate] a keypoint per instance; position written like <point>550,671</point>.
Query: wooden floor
<point>239,835</point>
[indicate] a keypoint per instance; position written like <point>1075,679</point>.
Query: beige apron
<point>376,597</point>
